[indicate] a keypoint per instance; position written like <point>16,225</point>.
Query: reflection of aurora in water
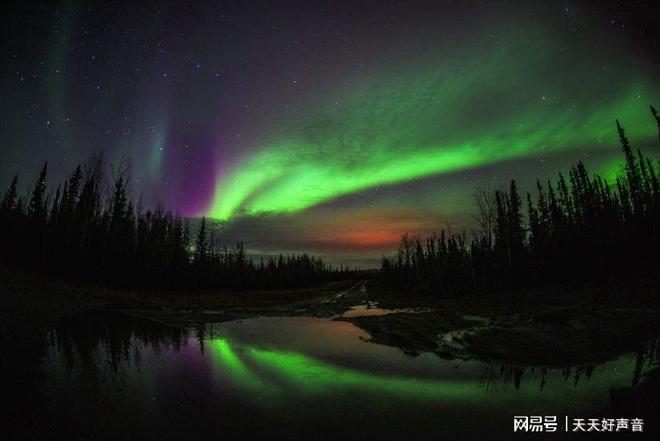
<point>273,375</point>
<point>273,372</point>
<point>284,371</point>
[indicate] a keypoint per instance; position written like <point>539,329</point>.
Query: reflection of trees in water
<point>648,356</point>
<point>497,375</point>
<point>200,333</point>
<point>96,343</point>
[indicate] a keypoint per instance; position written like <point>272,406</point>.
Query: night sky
<point>325,127</point>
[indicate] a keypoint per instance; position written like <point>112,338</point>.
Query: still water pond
<point>113,377</point>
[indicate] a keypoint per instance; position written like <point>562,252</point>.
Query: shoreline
<point>546,327</point>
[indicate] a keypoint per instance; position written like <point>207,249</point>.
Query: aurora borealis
<point>410,129</point>
<point>326,127</point>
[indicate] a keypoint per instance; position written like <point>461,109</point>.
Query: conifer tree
<point>657,120</point>
<point>632,171</point>
<point>37,205</point>
<point>201,243</point>
<point>9,199</point>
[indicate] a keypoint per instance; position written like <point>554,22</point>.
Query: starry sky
<point>325,127</point>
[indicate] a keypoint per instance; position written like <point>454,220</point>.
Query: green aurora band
<point>475,108</point>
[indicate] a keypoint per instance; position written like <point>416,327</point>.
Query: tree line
<point>580,228</point>
<point>87,232</point>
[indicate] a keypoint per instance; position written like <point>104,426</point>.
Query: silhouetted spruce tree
<point>516,232</point>
<point>534,230</point>
<point>201,253</point>
<point>37,211</point>
<point>502,237</point>
<point>657,120</point>
<point>632,171</point>
<point>10,197</point>
<point>201,243</point>
<point>37,205</point>
<point>10,220</point>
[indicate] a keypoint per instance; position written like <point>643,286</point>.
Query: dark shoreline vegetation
<point>90,232</point>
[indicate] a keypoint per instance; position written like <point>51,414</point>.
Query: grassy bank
<point>40,300</point>
<point>558,326</point>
